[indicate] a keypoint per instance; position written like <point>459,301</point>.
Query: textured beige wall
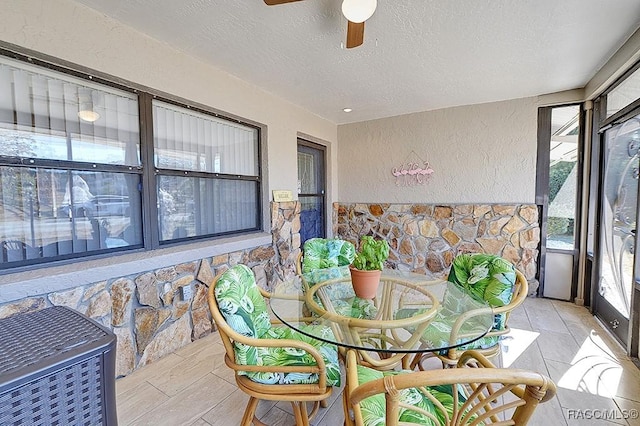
<point>75,33</point>
<point>480,154</point>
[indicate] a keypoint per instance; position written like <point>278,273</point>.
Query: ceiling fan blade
<point>275,2</point>
<point>355,34</point>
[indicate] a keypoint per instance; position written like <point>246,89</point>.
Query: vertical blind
<point>188,140</point>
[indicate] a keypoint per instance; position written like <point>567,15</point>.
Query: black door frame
<point>323,195</point>
<point>600,124</point>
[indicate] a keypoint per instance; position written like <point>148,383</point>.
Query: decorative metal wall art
<point>412,172</point>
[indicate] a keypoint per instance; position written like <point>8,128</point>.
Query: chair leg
<point>300,413</point>
<point>346,405</point>
<point>416,362</point>
<point>249,412</point>
<point>407,361</point>
<point>324,403</point>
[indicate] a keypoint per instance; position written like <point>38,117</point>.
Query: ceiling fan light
<point>88,115</point>
<point>358,10</point>
<point>86,107</point>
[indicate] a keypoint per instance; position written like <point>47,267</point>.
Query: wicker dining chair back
<point>476,393</point>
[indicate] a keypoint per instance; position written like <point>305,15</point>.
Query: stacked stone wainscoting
<point>146,311</point>
<point>425,238</point>
<point>285,230</point>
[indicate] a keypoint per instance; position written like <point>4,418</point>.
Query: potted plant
<point>367,266</point>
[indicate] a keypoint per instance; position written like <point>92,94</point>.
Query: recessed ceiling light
<point>347,110</point>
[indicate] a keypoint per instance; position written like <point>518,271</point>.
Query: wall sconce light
<point>358,10</point>
<point>86,110</point>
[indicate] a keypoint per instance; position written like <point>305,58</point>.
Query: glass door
<point>311,192</point>
<point>619,206</point>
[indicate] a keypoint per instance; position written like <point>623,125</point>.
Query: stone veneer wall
<point>151,320</point>
<point>146,311</point>
<point>426,237</point>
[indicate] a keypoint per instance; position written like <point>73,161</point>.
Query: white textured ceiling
<point>418,55</point>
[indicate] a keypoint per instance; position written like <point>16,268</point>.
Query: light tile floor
<point>597,383</point>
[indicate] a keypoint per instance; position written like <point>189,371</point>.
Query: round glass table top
<point>411,312</point>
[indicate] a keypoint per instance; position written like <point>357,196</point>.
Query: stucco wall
<point>480,154</point>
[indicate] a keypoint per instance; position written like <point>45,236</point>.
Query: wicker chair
<point>476,393</point>
<point>306,368</point>
<point>489,345</point>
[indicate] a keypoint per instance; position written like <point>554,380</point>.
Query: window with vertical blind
<point>207,174</point>
<point>71,168</point>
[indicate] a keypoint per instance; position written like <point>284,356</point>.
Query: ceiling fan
<point>356,12</point>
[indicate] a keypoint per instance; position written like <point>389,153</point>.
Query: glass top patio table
<point>411,313</point>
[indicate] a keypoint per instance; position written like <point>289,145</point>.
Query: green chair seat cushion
<point>374,408</point>
<point>320,253</point>
<point>283,356</point>
<point>438,333</point>
<point>355,307</point>
<point>316,276</point>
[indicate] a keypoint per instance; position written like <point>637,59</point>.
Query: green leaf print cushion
<point>328,259</point>
<point>241,302</point>
<point>487,277</point>
<point>320,253</point>
<point>243,307</point>
<point>374,408</point>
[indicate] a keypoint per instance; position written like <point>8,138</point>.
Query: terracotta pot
<point>365,283</point>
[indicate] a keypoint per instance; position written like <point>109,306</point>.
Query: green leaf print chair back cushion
<point>244,309</point>
<point>488,277</point>
<point>325,259</point>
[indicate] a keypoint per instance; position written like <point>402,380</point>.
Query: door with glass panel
<point>311,190</point>
<point>619,207</point>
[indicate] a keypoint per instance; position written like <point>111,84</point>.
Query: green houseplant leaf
<point>372,254</point>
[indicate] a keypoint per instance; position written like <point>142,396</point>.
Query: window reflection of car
<point>111,205</point>
<point>100,205</point>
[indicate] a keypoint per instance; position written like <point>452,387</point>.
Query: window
<point>623,94</point>
<point>563,177</point>
<point>69,166</point>
<point>72,178</point>
<point>208,177</point>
